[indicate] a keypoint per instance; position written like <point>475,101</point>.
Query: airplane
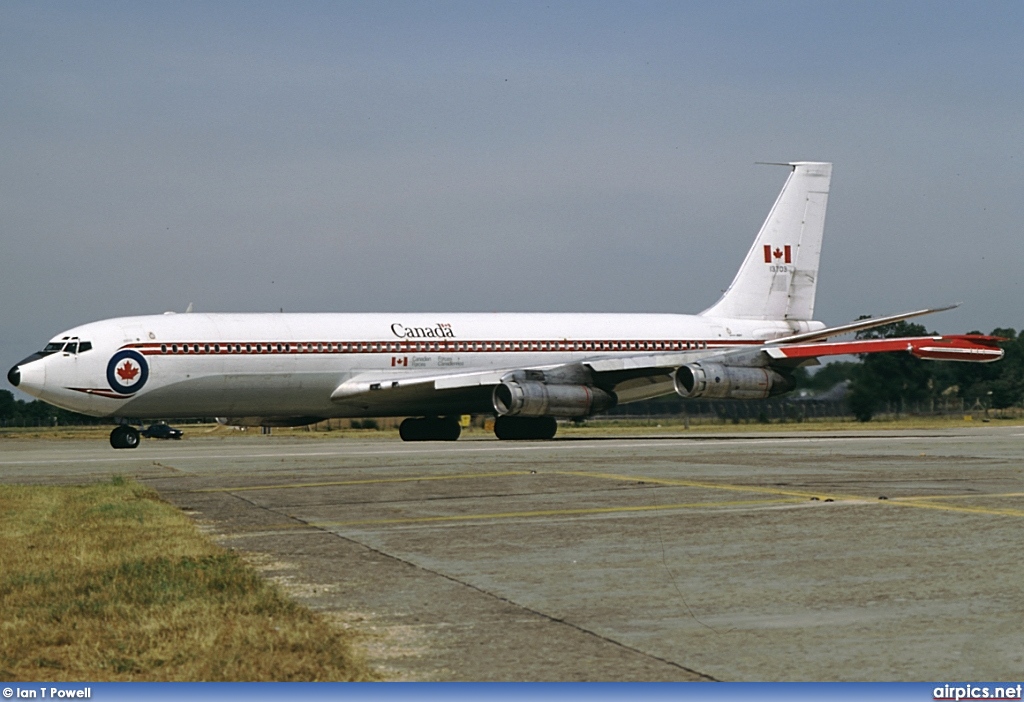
<point>283,369</point>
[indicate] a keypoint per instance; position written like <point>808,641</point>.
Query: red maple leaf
<point>777,253</point>
<point>127,371</point>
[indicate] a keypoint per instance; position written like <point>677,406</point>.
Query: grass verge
<point>108,583</point>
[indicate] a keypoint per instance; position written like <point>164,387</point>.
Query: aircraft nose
<point>29,375</point>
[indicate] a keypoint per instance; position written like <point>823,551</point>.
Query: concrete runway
<point>695,557</point>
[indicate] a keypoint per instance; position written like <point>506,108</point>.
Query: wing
<point>746,372</point>
<point>758,373</point>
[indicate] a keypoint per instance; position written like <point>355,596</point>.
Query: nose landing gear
<point>124,437</point>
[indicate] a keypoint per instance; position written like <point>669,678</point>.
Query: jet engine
<point>531,398</point>
<point>717,381</point>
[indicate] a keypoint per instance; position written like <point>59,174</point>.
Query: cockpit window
<point>73,346</point>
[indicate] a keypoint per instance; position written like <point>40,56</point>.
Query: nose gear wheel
<point>125,437</point>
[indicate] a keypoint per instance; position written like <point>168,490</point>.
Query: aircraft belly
<point>416,400</point>
<point>297,394</point>
<point>282,394</point>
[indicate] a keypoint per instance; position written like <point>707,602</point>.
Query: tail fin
<point>777,280</point>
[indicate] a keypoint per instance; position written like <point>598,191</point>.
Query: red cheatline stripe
<point>447,346</point>
<point>101,393</point>
<point>956,345</point>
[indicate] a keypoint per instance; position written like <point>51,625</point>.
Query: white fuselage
<point>288,365</point>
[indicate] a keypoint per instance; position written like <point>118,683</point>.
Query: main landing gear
<point>124,437</point>
<point>522,428</point>
<point>448,429</point>
<point>430,429</point>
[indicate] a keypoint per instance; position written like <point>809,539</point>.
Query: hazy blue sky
<point>499,156</point>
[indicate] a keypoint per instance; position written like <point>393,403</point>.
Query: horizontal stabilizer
<point>857,326</point>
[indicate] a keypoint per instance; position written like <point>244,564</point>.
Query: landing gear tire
<point>125,437</point>
<point>430,429</point>
<point>525,428</point>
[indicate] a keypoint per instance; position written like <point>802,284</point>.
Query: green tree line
<point>14,411</point>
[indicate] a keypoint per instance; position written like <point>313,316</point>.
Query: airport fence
<point>798,410</point>
<point>38,422</point>
<point>81,421</point>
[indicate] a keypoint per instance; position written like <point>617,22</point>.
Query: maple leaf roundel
<point>127,372</point>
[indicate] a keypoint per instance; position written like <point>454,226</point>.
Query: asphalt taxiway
<point>860,556</point>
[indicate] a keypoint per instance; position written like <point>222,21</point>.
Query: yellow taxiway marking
<point>546,513</point>
<point>973,495</point>
<point>952,508</point>
<point>709,486</point>
<point>783,496</point>
<point>922,501</point>
<point>367,481</point>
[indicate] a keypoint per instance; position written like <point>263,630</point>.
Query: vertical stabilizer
<point>778,278</point>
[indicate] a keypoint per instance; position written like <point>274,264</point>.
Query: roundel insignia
<point>127,372</point>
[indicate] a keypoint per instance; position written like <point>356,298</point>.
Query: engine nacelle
<point>531,398</point>
<point>716,381</point>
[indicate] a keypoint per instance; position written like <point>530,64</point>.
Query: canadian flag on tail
<point>777,254</point>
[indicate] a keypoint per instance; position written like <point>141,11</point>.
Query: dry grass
<point>82,432</point>
<point>108,583</point>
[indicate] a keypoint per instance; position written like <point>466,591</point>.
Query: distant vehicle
<point>162,431</point>
<point>525,369</point>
